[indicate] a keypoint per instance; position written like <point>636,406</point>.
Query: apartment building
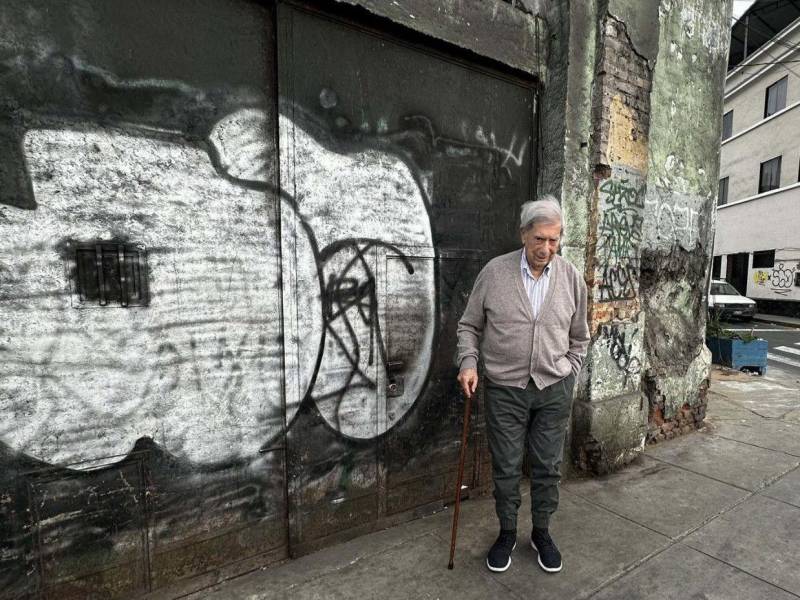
<point>757,242</point>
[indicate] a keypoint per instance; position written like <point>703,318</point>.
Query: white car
<point>726,302</point>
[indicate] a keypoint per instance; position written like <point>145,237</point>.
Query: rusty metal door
<point>402,168</point>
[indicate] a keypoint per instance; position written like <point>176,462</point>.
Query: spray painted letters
<point>619,236</point>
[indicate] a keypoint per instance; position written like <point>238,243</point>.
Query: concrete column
<point>638,193</point>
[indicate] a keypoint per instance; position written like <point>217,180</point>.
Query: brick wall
<point>622,74</point>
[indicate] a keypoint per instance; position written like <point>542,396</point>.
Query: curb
<point>777,320</point>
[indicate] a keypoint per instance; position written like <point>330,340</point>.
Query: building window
<point>770,176</point>
<point>716,267</point>
<point>722,197</point>
<point>764,259</point>
<point>775,98</point>
<point>110,274</point>
<point>727,125</point>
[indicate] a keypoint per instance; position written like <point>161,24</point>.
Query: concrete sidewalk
<point>713,514</point>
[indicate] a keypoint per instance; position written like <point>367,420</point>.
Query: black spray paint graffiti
<point>782,279</point>
<point>620,344</point>
<point>619,239</point>
<point>350,308</point>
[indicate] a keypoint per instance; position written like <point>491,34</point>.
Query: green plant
<point>715,329</point>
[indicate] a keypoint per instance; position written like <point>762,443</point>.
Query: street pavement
<point>714,514</point>
<point>784,342</point>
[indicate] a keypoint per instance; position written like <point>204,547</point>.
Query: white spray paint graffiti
<point>200,370</point>
<point>672,220</point>
<point>508,151</point>
<point>362,208</point>
<point>196,370</point>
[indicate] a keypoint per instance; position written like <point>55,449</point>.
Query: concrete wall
<point>649,223</point>
<point>778,224</point>
<point>742,156</point>
<point>775,215</point>
<point>755,140</point>
<point>682,190</point>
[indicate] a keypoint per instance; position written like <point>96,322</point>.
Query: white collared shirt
<point>535,287</point>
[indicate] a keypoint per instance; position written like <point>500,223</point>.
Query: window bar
<point>134,281</point>
<point>101,282</point>
<point>80,275</point>
<point>123,286</point>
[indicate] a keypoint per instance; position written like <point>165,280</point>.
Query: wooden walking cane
<point>467,408</point>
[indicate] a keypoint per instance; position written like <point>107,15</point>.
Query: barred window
<point>110,274</point>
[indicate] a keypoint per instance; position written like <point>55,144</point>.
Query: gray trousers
<point>536,418</point>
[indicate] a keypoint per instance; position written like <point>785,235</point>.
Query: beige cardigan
<point>516,347</point>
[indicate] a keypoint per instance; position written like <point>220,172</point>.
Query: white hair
<point>545,209</point>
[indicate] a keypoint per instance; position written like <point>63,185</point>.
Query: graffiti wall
<point>609,420</point>
<point>781,282</point>
<point>399,199</point>
<point>231,269</point>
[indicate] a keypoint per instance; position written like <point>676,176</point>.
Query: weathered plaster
<point>641,19</point>
<point>490,28</point>
<point>616,435</point>
<point>566,120</point>
<point>681,192</point>
<point>615,360</point>
<point>650,221</point>
<point>671,392</point>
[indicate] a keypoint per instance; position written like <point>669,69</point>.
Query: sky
<point>739,6</point>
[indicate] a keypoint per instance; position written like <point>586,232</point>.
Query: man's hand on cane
<point>468,378</point>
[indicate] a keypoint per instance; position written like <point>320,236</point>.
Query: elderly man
<point>527,311</point>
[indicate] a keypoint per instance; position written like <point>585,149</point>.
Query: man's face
<point>541,243</point>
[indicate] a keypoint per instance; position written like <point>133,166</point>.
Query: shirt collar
<point>526,268</point>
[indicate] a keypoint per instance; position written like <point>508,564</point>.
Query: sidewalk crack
<point>756,445</point>
<point>678,539</point>
<point>741,570</point>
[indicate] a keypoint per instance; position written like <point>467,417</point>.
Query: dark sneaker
<point>549,556</point>
<point>499,557</point>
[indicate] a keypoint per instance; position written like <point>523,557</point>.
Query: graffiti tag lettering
<point>619,239</point>
<point>620,347</point>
